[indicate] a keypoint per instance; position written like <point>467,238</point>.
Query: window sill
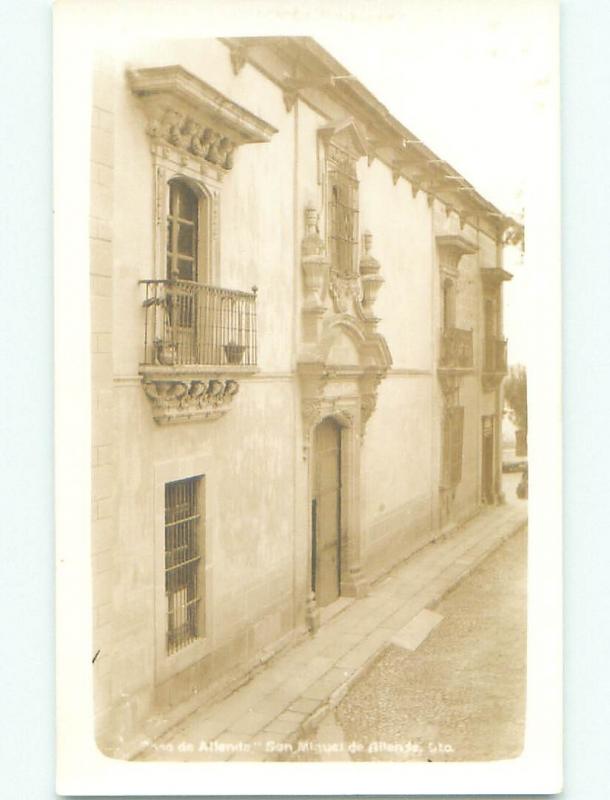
<point>170,665</point>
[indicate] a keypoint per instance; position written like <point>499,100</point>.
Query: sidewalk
<point>289,697</point>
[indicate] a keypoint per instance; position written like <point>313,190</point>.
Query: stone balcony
<point>456,352</point>
<point>198,341</point>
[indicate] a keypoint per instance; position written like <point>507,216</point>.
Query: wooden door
<point>487,471</point>
<point>326,513</point>
<point>183,270</point>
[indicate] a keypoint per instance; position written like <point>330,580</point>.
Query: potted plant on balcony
<point>166,352</point>
<point>165,349</point>
<point>234,352</point>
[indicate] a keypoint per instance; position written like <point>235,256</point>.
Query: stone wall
<point>103,519</point>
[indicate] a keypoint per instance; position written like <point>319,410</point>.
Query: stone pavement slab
<point>413,634</point>
<point>298,687</point>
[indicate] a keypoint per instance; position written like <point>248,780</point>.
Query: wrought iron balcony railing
<point>494,357</point>
<point>456,349</point>
<point>191,324</point>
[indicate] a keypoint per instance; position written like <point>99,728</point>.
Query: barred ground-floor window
<point>184,562</point>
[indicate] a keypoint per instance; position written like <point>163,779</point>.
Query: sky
<point>468,79</point>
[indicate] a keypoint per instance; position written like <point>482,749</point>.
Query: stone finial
<point>368,264</point>
<point>312,242</point>
<point>314,262</point>
<point>370,279</point>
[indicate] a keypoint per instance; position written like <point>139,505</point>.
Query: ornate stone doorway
<point>326,513</point>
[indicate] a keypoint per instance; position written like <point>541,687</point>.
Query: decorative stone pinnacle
<point>368,264</point>
<point>313,262</point>
<point>312,242</point>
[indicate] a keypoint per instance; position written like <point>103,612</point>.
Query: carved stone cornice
<point>344,137</point>
<point>451,249</point>
<point>185,113</point>
<point>300,66</point>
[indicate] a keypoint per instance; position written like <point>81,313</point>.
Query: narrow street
<point>430,665</point>
<point>460,695</point>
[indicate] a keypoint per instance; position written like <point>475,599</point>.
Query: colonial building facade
<point>297,354</point>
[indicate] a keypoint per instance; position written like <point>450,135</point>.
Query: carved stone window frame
<point>167,168</point>
<point>194,131</point>
<point>341,145</point>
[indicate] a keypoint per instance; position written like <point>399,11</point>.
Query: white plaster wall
<point>402,243</point>
<point>252,452</point>
<point>398,481</point>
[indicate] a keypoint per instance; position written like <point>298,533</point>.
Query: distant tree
<point>515,397</point>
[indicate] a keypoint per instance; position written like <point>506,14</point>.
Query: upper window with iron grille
<point>184,557</point>
<point>343,212</point>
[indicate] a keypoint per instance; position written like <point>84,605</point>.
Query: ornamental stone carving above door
<point>343,358</point>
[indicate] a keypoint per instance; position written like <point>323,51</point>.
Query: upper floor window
<point>343,212</point>
<point>490,318</point>
<point>182,232</point>
<point>448,304</point>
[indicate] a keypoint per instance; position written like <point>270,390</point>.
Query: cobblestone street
<point>458,606</point>
<point>461,694</point>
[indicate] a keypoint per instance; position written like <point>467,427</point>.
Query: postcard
<point>308,363</point>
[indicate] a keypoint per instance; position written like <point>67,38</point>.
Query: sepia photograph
<point>309,343</point>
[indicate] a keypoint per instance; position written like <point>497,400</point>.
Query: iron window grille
<point>343,213</point>
<point>183,562</point>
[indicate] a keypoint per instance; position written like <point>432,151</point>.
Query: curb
<point>309,725</point>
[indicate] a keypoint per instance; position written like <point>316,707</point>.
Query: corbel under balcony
<point>183,395</point>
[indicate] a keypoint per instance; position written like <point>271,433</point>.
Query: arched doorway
<point>326,513</point>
